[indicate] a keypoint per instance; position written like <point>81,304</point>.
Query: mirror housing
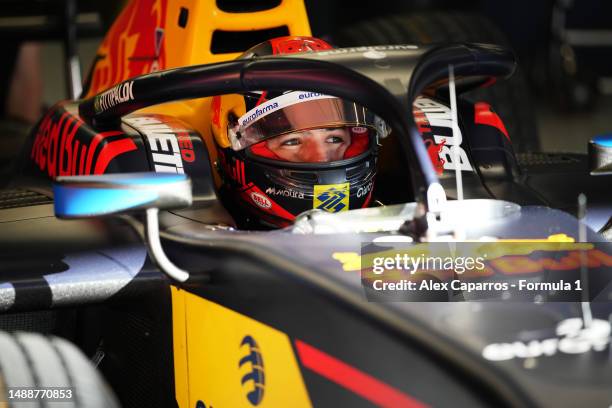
<point>113,194</point>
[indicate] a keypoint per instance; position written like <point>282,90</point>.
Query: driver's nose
<point>314,151</point>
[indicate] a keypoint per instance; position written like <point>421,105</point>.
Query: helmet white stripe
<point>280,102</point>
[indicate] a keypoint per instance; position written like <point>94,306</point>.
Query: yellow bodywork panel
<point>179,332</point>
<point>147,37</point>
<point>219,345</point>
<point>193,46</point>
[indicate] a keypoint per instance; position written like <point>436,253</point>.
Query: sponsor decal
<point>257,112</point>
<point>571,338</point>
<point>114,96</point>
<point>59,151</point>
<point>185,146</point>
<point>365,190</point>
<point>272,191</point>
<point>239,373</point>
<point>595,258</point>
<point>434,121</point>
<point>288,99</point>
<point>169,147</point>
<point>260,200</point>
<point>135,45</point>
<point>332,197</point>
<point>309,95</point>
<point>252,193</point>
<point>368,48</point>
<point>434,152</point>
<point>254,381</point>
<point>509,257</point>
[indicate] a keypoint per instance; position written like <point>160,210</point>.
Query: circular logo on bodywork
<point>254,379</point>
<point>261,200</point>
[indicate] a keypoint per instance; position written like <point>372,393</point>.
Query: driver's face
<point>311,146</point>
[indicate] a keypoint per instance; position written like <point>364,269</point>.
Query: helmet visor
<point>322,145</point>
<point>299,112</point>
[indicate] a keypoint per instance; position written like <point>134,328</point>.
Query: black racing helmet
<point>281,154</point>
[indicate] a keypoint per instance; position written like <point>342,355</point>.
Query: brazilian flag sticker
<point>332,197</point>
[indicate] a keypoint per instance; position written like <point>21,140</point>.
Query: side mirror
<point>113,194</point>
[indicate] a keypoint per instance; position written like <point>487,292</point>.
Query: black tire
<point>35,361</point>
<point>511,99</point>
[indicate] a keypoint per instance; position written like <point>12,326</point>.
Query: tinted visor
<point>300,112</point>
<point>322,145</point>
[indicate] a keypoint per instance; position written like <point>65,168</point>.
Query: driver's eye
<point>291,142</point>
<point>334,139</point>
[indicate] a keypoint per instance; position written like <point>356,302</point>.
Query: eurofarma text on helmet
<point>258,112</point>
<point>283,101</point>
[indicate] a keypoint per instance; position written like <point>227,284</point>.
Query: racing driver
<point>280,154</point>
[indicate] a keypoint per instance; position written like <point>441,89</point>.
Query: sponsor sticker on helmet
<point>283,101</point>
<point>260,200</point>
<point>273,191</point>
<point>332,197</point>
<point>364,190</point>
